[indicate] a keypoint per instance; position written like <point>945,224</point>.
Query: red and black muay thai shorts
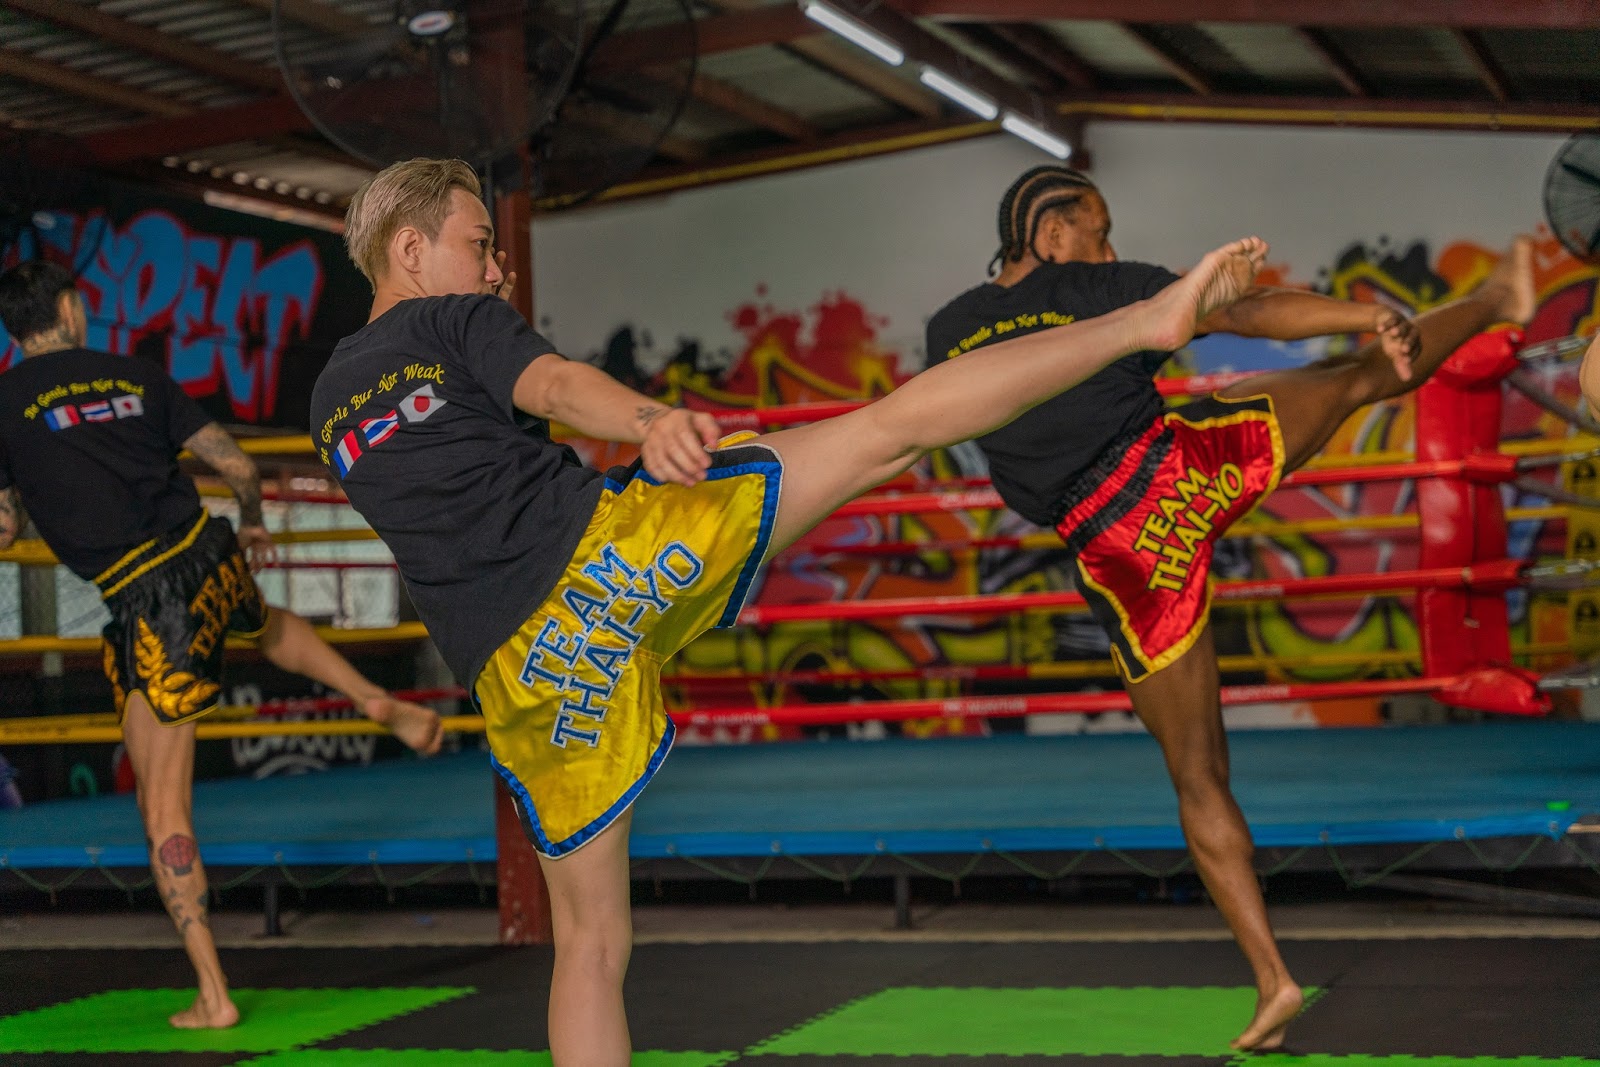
<point>1142,522</point>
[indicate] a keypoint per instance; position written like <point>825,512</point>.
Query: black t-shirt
<point>91,443</point>
<point>414,415</point>
<point>1035,459</point>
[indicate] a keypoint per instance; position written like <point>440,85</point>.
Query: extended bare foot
<point>1273,1015</point>
<point>413,724</point>
<point>208,1012</point>
<point>1219,279</point>
<point>1511,283</point>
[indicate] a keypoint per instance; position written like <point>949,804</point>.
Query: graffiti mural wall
<point>242,311</point>
<point>824,294</point>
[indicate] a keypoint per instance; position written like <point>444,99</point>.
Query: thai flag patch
<point>380,429</point>
<point>97,411</point>
<point>127,406</point>
<point>345,456</point>
<point>420,404</point>
<point>62,417</point>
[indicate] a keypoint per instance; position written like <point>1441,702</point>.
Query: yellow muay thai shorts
<point>572,702</point>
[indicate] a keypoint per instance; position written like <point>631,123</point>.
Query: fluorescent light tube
<point>970,99</point>
<point>855,33</point>
<point>1036,135</point>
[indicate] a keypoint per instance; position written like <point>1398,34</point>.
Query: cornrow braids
<point>1024,206</point>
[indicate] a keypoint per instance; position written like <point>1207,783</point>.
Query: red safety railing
<point>998,707</point>
<point>1500,574</point>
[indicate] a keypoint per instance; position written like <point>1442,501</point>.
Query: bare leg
<point>163,764</point>
<point>589,908</point>
<point>292,644</point>
<point>830,462</point>
<point>1312,402</point>
<point>1181,708</point>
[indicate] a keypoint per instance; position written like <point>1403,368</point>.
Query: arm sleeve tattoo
<point>212,445</point>
<point>12,519</point>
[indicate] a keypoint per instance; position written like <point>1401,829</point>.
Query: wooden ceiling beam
<point>318,16</point>
<point>1484,64</point>
<point>1178,65</point>
<point>1416,14</point>
<point>1340,112</point>
<point>848,64</point>
<point>24,67</point>
<point>1334,59</point>
<point>93,22</point>
<point>203,128</point>
<point>729,32</point>
<point>736,102</point>
<point>923,47</point>
<point>1044,48</point>
<point>992,50</point>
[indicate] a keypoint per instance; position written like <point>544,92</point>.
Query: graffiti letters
<point>225,312</point>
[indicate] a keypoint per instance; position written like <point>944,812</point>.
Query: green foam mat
<point>135,1020</point>
<point>1288,1059</point>
<point>1191,1021</point>
<point>416,1057</point>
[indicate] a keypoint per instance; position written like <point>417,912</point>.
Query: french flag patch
<point>420,404</point>
<point>62,417</point>
<point>380,429</point>
<point>97,411</point>
<point>345,456</point>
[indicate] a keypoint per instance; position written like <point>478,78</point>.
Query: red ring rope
<point>1496,575</point>
<point>997,707</point>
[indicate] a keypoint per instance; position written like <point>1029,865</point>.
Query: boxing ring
<point>1490,796</point>
<point>1366,803</point>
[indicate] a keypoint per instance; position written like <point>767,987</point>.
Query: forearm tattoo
<point>217,450</point>
<point>650,414</point>
<point>12,519</point>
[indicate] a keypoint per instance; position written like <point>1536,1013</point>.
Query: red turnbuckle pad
<point>1484,360</point>
<point>1500,690</point>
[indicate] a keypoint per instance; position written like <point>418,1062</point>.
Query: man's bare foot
<point>1219,279</point>
<point>413,724</point>
<point>1273,1016</point>
<point>1511,282</point>
<point>207,1013</point>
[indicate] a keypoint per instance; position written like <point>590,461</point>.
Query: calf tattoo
<point>179,853</point>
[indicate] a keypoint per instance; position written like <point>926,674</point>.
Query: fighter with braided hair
<point>1140,493</point>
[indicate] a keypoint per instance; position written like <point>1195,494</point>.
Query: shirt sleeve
<point>494,345</point>
<point>936,340</point>
<point>185,418</point>
<point>6,478</point>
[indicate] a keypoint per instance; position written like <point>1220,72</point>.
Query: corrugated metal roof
<point>1110,50</point>
<point>1249,60</point>
<point>1275,54</point>
<point>799,87</point>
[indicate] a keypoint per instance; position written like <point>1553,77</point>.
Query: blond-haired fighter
<point>555,591</point>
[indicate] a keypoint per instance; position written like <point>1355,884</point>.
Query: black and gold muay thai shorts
<point>173,602</point>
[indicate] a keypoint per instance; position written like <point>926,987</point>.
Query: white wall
<point>902,234</point>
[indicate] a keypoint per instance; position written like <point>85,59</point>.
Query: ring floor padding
<point>1008,794</point>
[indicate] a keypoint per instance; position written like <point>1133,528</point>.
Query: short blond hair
<point>413,193</point>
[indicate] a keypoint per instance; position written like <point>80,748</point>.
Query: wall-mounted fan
<point>480,79</point>
<point>1572,196</point>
